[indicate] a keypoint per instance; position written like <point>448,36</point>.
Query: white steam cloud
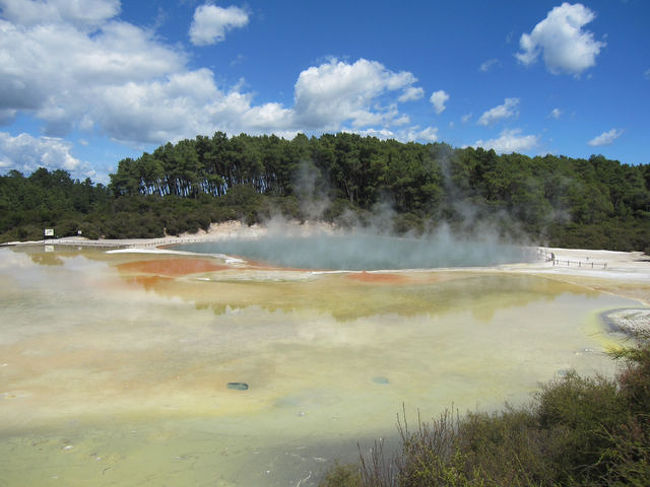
<point>366,250</point>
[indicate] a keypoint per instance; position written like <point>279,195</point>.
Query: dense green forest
<point>345,178</point>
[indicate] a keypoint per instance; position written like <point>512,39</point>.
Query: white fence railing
<point>122,243</point>
<point>586,264</point>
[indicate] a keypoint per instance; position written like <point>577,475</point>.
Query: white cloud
<point>500,112</point>
<point>438,100</point>
<point>487,65</point>
<point>123,82</point>
<point>210,23</point>
<point>382,134</point>
<point>556,113</point>
<point>510,140</point>
<point>83,14</point>
<point>429,134</point>
<point>62,74</point>
<point>411,93</point>
<point>403,120</point>
<point>26,154</point>
<point>328,95</point>
<point>466,118</point>
<point>566,47</point>
<point>411,134</point>
<point>606,138</point>
<point>416,134</point>
<point>119,81</point>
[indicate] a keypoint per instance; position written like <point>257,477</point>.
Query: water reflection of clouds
<point>10,259</point>
<point>86,341</point>
<point>348,296</point>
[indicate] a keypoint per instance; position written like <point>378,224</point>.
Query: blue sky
<point>86,83</point>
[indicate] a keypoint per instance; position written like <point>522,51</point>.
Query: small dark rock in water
<point>380,380</point>
<point>238,386</point>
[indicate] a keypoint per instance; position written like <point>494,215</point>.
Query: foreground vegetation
<point>578,432</point>
<point>594,203</point>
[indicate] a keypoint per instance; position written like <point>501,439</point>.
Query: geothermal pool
<point>114,366</point>
<point>359,250</point>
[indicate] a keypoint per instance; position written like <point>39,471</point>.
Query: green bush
<point>505,448</point>
<point>342,476</point>
<point>577,431</point>
<point>576,412</point>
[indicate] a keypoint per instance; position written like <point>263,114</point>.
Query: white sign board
<point>48,232</point>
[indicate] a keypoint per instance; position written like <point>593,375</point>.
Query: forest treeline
<point>595,202</point>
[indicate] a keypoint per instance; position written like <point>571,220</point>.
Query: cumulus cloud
<point>606,138</point>
<point>62,74</point>
<point>556,113</point>
<point>371,132</point>
<point>438,100</point>
<point>510,140</point>
<point>335,92</point>
<point>402,120</point>
<point>82,14</point>
<point>410,134</point>
<point>210,23</point>
<point>428,134</point>
<point>560,38</point>
<point>26,154</point>
<point>411,93</point>
<point>121,81</point>
<point>506,110</point>
<point>487,65</point>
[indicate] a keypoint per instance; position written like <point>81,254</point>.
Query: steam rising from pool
<point>365,251</point>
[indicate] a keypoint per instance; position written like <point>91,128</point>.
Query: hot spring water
<point>114,367</point>
<point>365,251</point>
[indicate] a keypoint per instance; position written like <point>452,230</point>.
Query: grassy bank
<point>577,431</point>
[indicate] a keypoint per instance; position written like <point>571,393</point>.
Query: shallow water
<point>364,251</point>
<point>114,368</point>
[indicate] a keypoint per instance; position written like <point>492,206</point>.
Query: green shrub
<point>576,412</point>
<point>505,448</point>
<point>576,432</point>
<point>342,476</point>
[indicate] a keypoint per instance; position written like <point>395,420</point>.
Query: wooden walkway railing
<point>586,264</point>
<point>122,243</point>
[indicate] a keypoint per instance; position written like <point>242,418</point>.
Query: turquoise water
<point>364,251</point>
